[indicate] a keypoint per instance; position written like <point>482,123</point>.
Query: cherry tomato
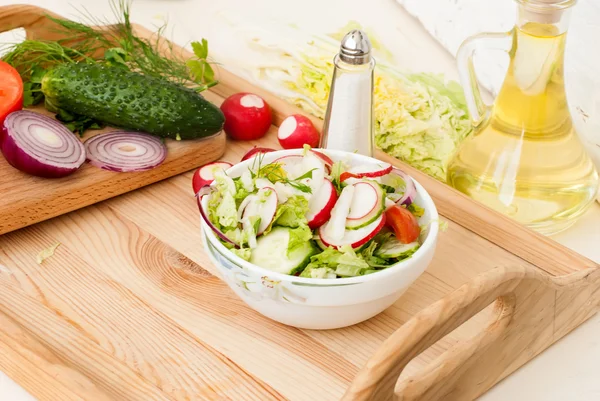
<point>403,223</point>
<point>11,90</point>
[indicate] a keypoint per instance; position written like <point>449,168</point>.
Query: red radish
<point>205,175</point>
<point>326,159</point>
<point>321,204</point>
<point>212,226</point>
<point>404,223</point>
<point>247,116</point>
<point>354,238</point>
<point>367,171</point>
<point>263,205</point>
<point>297,131</point>
<point>256,150</point>
<point>366,198</point>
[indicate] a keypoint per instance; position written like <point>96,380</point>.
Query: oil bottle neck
<point>553,14</point>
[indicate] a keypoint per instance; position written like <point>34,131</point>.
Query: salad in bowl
<point>302,228</point>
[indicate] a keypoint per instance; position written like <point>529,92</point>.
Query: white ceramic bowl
<point>322,303</point>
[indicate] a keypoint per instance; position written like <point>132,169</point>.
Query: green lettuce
<point>222,207</point>
<point>298,238</point>
<point>244,253</point>
<point>318,272</point>
<point>344,262</point>
<point>226,211</point>
<point>418,118</point>
<point>292,213</point>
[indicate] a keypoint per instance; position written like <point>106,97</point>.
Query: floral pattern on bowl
<point>254,287</point>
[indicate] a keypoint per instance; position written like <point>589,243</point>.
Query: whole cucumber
<point>130,100</point>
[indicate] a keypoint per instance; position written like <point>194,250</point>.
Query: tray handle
<point>31,18</point>
<point>528,303</point>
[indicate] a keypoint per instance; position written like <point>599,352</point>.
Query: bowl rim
<point>424,249</point>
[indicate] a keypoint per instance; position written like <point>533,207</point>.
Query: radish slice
<point>256,150</point>
<point>366,206</point>
<point>321,204</point>
<point>366,198</point>
<point>212,226</point>
<point>289,163</point>
<point>297,131</point>
<point>263,205</point>
<point>39,145</point>
<point>354,238</point>
<point>316,166</point>
<point>205,175</point>
<point>337,223</point>
<point>326,159</point>
<point>367,171</point>
<point>243,205</point>
<point>125,151</point>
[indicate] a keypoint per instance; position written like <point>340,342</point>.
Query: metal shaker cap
<point>355,48</point>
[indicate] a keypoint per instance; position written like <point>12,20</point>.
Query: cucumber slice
<point>394,249</point>
<point>271,252</point>
<point>361,195</point>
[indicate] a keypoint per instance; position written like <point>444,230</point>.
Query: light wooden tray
<point>129,307</point>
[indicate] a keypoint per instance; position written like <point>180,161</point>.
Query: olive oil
<point>525,159</point>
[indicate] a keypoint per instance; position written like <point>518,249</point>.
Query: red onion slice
<point>212,226</point>
<point>124,151</point>
<point>410,191</point>
<point>39,145</point>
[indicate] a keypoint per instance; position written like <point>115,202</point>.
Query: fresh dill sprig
<point>117,45</point>
<point>274,172</point>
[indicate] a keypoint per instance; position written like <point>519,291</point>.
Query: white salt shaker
<point>349,118</point>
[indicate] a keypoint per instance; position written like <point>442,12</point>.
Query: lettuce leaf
<point>226,211</point>
<point>318,272</point>
<point>244,253</point>
<point>298,237</point>
<point>292,213</point>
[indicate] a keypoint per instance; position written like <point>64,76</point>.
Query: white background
<point>569,370</point>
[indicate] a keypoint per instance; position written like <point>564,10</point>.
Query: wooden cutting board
<point>130,307</point>
<point>26,199</point>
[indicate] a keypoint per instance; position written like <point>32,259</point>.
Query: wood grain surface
<point>27,199</point>
<point>130,307</point>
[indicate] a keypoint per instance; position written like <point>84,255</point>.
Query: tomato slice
<point>11,90</point>
<point>403,223</point>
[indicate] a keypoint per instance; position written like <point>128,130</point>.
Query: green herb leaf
<point>37,74</point>
<point>116,57</point>
<point>76,123</point>
<point>308,174</point>
<point>201,49</point>
<point>196,68</point>
<point>32,94</point>
<point>300,186</point>
<point>209,74</point>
